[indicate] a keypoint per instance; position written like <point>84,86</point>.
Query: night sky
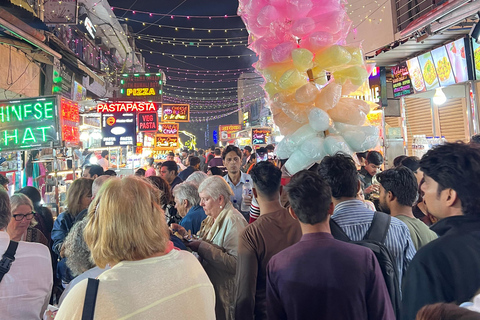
<point>198,80</point>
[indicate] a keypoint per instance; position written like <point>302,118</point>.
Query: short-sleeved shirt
<point>419,232</point>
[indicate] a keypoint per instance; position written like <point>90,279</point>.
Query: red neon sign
<point>127,107</point>
<point>70,120</point>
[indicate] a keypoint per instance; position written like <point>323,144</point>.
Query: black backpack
<point>374,239</point>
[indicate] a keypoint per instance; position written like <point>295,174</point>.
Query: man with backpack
<point>320,277</point>
<point>355,219</point>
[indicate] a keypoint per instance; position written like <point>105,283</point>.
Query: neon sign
<point>142,86</point>
<point>127,107</point>
<point>259,136</point>
<point>176,112</point>
<point>163,142</point>
<point>28,123</point>
<point>70,120</point>
<point>148,121</point>
<point>170,129</point>
<point>227,132</point>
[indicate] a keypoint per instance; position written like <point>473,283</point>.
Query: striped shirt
<point>355,219</point>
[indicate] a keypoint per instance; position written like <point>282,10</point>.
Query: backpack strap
<point>8,258</point>
<point>337,231</point>
<point>90,299</point>
<point>379,227</point>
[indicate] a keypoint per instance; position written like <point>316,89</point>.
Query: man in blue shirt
<point>354,217</point>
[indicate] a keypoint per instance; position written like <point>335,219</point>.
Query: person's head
<point>232,159</point>
<point>5,210</point>
<point>126,222</point>
<point>150,162</point>
<point>164,188</point>
<point>186,196</point>
<point>140,172</point>
<point>215,171</point>
<point>413,163</point>
<point>22,214</point>
<point>398,188</point>
<point>398,160</point>
<point>4,182</point>
<point>92,171</point>
<point>79,258</point>
<point>105,154</point>
<point>79,195</point>
<point>194,162</point>
<point>197,178</point>
<point>217,152</point>
<point>266,181</point>
<point>361,157</point>
<point>169,171</point>
<point>475,139</point>
<point>247,151</point>
<point>214,194</point>
<point>452,175</point>
<point>171,156</point>
<point>212,148</point>
<point>373,162</point>
<point>110,172</point>
<point>310,197</point>
<point>446,311</point>
<point>184,154</point>
<point>270,148</point>
<point>341,174</point>
<point>33,194</point>
<point>97,184</point>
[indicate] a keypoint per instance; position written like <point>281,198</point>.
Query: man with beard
<point>398,193</point>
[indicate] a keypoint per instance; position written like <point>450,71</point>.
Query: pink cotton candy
<point>267,15</point>
<point>283,52</point>
<point>298,8</point>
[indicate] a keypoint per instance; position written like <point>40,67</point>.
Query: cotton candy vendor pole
<point>309,70</point>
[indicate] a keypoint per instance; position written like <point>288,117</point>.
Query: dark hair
<point>5,210</point>
<point>475,139</point>
<point>362,154</point>
<point>374,157</point>
<point>171,166</point>
<point>266,179</point>
<point>341,174</point>
<point>171,154</point>
<point>104,153</point>
<point>140,172</point>
<point>446,311</point>
<point>94,169</point>
<point>248,148</point>
<point>261,151</point>
<point>110,172</point>
<point>150,161</point>
<point>3,180</point>
<point>270,147</point>
<point>412,163</point>
<point>398,160</point>
<point>216,171</point>
<point>29,164</point>
<point>193,161</point>
<point>217,152</point>
<point>212,148</point>
<point>200,152</point>
<point>162,185</point>
<point>402,183</point>
<point>310,197</point>
<point>456,166</point>
<point>210,157</point>
<point>231,148</point>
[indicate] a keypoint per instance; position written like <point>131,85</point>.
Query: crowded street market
<point>240,159</point>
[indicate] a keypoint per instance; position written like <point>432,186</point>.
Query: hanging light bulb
<point>439,97</point>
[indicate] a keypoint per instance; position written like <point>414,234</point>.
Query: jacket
<point>446,269</point>
<point>193,220</point>
<point>61,227</point>
<point>219,257</point>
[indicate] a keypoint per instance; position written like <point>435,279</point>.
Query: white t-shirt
<point>103,163</point>
<point>173,286</point>
<point>25,290</point>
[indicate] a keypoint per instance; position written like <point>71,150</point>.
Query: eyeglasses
<point>28,216</point>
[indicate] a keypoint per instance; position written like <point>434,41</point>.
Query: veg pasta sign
<point>29,123</point>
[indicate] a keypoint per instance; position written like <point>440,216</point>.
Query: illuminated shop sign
<point>127,107</point>
<point>176,112</point>
<point>148,121</point>
<point>163,142</point>
<point>69,122</point>
<point>29,123</point>
<point>138,86</point>
<point>227,132</point>
<point>259,136</point>
<point>169,129</point>
<point>119,129</point>
<point>402,84</point>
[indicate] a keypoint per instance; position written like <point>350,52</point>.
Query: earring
<point>221,207</point>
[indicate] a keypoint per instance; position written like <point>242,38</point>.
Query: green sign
<point>29,123</point>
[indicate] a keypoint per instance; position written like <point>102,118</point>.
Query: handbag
<point>90,299</point>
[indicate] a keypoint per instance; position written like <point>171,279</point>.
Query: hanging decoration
<point>173,16</point>
<point>309,69</point>
<point>144,23</point>
<point>195,56</point>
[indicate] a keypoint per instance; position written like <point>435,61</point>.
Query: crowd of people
<point>341,240</point>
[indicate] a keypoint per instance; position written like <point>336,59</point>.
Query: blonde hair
<point>80,188</point>
<point>126,222</point>
<point>216,186</point>
<point>19,199</point>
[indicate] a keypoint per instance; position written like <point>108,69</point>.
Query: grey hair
<point>216,186</point>
<point>187,191</point>
<point>79,258</point>
<point>197,178</point>
<point>19,199</point>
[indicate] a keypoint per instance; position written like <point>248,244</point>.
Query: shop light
<point>93,160</point>
<point>439,97</point>
<point>278,138</point>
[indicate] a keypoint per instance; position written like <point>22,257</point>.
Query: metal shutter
<point>418,119</point>
<point>453,120</point>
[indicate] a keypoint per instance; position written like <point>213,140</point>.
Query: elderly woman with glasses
<point>218,246</point>
<point>147,279</point>
<point>22,222</point>
<point>187,202</point>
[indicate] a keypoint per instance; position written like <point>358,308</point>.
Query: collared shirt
<point>25,289</point>
<point>355,219</point>
<point>323,278</point>
<point>238,190</point>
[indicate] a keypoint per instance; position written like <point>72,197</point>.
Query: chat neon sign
<point>28,123</point>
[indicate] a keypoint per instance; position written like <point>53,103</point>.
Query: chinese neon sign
<point>147,86</point>
<point>28,123</point>
<point>169,129</point>
<point>176,112</point>
<point>127,107</point>
<point>70,120</point>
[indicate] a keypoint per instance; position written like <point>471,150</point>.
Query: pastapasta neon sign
<point>127,107</point>
<point>28,123</point>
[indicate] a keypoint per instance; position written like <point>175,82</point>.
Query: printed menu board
<point>416,75</point>
<point>476,58</point>
<point>456,53</point>
<point>443,67</point>
<point>402,84</point>
<point>428,70</point>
